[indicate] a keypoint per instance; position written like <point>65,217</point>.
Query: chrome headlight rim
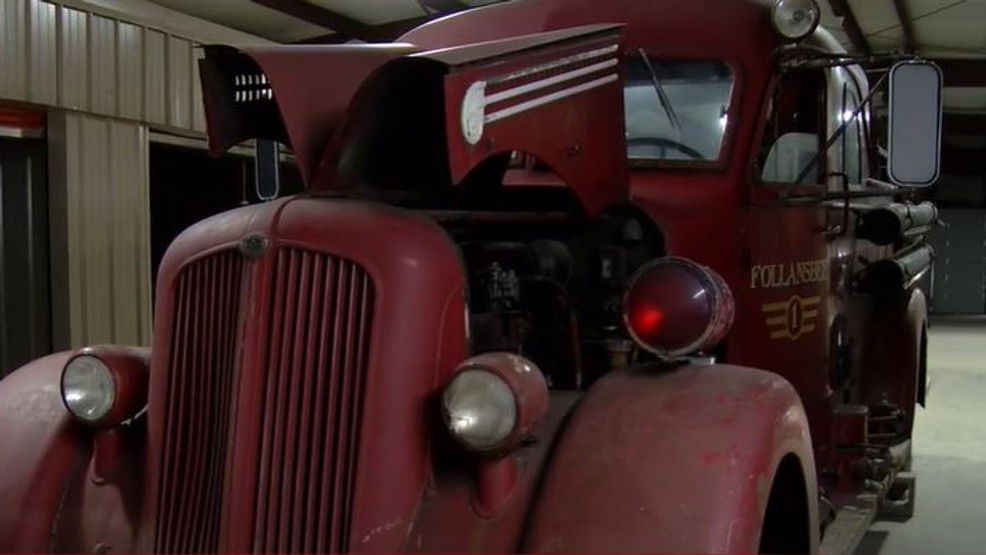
<point>502,430</point>
<point>775,13</point>
<point>105,406</point>
<point>529,399</point>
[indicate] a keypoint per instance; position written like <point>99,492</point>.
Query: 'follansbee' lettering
<point>768,276</point>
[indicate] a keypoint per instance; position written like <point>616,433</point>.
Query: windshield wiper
<point>661,94</point>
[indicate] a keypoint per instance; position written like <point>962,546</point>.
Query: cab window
<point>676,110</point>
<point>852,139</point>
<point>794,131</point>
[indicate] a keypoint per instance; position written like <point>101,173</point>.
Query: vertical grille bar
<point>315,388</point>
<point>200,378</point>
<point>315,361</point>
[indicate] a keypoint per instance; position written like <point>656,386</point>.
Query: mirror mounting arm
<point>800,56</point>
<point>835,137</point>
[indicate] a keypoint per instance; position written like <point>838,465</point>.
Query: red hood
<point>312,86</point>
<point>386,117</point>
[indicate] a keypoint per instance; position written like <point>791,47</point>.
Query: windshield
<point>676,110</point>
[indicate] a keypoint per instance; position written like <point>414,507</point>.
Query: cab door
<point>785,305</point>
<point>848,161</point>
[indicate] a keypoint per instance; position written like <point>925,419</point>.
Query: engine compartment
<point>549,286</point>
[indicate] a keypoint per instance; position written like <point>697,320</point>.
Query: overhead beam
<point>343,25</point>
<point>851,26</point>
<point>906,25</point>
<point>963,72</point>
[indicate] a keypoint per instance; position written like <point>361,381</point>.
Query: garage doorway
<point>25,287</point>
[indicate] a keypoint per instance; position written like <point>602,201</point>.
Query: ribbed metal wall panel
<point>95,228</point>
<point>73,65</point>
<point>100,239</point>
<point>77,56</point>
<point>67,242</point>
<point>179,82</point>
<point>155,77</point>
<point>43,52</point>
<point>65,56</point>
<point>102,64</point>
<point>130,70</point>
<point>198,110</point>
<point>13,50</point>
<point>126,251</point>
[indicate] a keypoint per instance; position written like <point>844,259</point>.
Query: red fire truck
<point>568,275</point>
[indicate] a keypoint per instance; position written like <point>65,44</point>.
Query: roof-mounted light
<point>795,19</point>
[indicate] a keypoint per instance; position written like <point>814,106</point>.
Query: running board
<point>850,525</point>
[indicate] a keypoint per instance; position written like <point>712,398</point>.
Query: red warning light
<point>647,319</point>
<point>675,307</point>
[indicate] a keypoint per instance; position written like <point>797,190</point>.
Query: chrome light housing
<point>674,307</point>
<point>106,385</point>
<point>480,408</point>
<point>795,19</point>
<point>88,388</point>
<point>494,401</point>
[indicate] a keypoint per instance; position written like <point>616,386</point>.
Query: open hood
<point>389,116</point>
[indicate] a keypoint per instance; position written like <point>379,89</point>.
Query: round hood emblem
<point>254,245</point>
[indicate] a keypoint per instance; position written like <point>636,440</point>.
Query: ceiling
<point>321,21</point>
<point>950,32</point>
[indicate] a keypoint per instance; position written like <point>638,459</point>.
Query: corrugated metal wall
<point>60,56</point>
<point>100,240</point>
<point>105,81</point>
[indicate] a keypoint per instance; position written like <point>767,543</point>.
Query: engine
<point>550,288</point>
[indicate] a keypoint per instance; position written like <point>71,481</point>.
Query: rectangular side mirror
<point>267,175</point>
<point>914,135</point>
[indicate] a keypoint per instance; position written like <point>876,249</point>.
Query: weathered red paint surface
<point>640,441</point>
<point>42,450</point>
<point>314,85</point>
<point>419,328</point>
<point>589,123</point>
<point>642,461</point>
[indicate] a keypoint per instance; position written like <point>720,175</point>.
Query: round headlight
<point>494,402</point>
<point>480,409</point>
<point>674,307</point>
<point>795,19</point>
<point>88,388</point>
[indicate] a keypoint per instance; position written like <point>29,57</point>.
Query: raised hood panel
<point>388,117</point>
<point>293,94</point>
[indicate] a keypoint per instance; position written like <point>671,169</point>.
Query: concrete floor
<point>949,450</point>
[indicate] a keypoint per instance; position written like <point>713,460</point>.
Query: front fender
<point>677,461</point>
<point>41,450</point>
<point>63,485</point>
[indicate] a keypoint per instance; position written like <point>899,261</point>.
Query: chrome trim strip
<point>549,82</point>
<point>548,99</point>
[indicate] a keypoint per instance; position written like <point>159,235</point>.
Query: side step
<point>898,505</point>
<point>850,525</point>
<point>853,519</point>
